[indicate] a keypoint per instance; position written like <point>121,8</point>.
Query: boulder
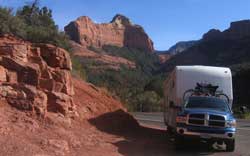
<point>24,97</point>
<point>35,77</point>
<point>27,72</point>
<point>60,103</point>
<point>17,51</point>
<point>55,56</point>
<point>64,78</point>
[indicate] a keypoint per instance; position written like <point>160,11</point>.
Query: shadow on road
<point>141,140</point>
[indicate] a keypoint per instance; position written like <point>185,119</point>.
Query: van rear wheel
<point>230,145</point>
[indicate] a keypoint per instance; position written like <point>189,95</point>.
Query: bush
<point>34,24</point>
<point>148,101</point>
<point>10,24</point>
<point>130,85</point>
<point>78,69</point>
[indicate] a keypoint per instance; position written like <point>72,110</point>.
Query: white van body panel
<point>184,78</point>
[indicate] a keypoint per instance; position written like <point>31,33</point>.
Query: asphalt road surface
<point>155,121</point>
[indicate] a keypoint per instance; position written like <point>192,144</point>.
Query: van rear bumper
<point>227,134</point>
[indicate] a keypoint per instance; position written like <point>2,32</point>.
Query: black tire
<point>230,145</point>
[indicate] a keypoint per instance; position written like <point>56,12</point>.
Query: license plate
<point>205,136</point>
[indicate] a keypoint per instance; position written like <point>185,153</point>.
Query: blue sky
<point>166,21</point>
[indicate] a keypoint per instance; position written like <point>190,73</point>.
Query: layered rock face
<point>35,77</point>
<point>119,32</point>
<point>104,61</point>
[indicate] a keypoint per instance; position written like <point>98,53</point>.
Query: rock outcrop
<point>35,77</point>
<point>103,60</point>
<point>237,30</point>
<point>179,47</point>
<point>119,32</point>
<point>212,34</point>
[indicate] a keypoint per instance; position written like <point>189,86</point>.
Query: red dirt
<point>23,134</point>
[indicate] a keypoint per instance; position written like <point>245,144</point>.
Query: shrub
<point>78,69</point>
<point>10,24</point>
<point>130,85</point>
<point>34,24</point>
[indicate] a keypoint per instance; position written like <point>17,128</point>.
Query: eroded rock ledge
<point>35,77</point>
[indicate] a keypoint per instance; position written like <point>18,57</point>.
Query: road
<point>155,121</point>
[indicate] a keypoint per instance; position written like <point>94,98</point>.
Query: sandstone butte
<point>45,111</point>
<point>119,32</point>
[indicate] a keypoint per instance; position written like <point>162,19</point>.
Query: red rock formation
<point>119,32</point>
<point>35,77</point>
<point>105,61</point>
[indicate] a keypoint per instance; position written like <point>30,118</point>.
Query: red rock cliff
<point>119,32</point>
<point>35,77</point>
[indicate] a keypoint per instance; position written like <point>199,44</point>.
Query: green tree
<point>40,26</point>
<point>10,24</point>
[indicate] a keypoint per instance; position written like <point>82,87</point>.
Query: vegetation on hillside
<point>138,88</point>
<point>32,23</point>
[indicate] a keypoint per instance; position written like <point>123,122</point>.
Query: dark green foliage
<point>156,84</point>
<point>10,24</point>
<point>41,27</point>
<point>34,24</point>
<point>241,84</point>
<point>146,62</point>
<point>129,84</point>
<point>147,101</point>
